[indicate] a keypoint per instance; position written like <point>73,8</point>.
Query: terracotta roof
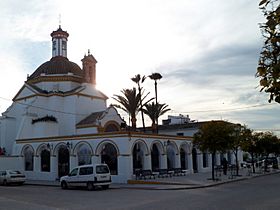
<point>91,119</point>
<point>57,65</point>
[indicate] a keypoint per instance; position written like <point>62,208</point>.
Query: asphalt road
<point>253,194</point>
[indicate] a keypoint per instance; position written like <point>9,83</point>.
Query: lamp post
<point>155,77</point>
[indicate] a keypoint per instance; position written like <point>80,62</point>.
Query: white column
<point>199,162</point>
<point>95,159</point>
<point>147,162</point>
<point>54,166</point>
<point>163,161</point>
<point>37,164</point>
<point>218,159</point>
<point>190,162</point>
<point>125,168</point>
<point>73,162</point>
<point>177,161</point>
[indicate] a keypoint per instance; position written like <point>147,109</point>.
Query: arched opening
<point>63,161</point>
<point>170,157</point>
<point>109,156</point>
<point>138,157</point>
<point>84,155</point>
<point>155,157</point>
<point>183,159</point>
<point>194,159</point>
<point>111,128</point>
<point>45,160</point>
<point>28,155</point>
<point>205,160</point>
<point>222,156</point>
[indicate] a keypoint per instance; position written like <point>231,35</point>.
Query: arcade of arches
<point>58,159</point>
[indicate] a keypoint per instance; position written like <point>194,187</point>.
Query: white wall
<point>11,162</point>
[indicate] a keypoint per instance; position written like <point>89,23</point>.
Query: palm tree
<point>155,77</point>
<point>137,79</point>
<point>130,103</point>
<point>154,111</point>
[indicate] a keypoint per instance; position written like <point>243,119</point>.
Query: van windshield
<point>102,170</point>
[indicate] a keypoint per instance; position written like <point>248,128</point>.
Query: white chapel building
<point>59,120</point>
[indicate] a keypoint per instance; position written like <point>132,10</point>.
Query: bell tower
<point>59,42</point>
<point>89,67</point>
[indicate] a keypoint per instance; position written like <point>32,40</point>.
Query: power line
<point>174,111</point>
<point>226,110</point>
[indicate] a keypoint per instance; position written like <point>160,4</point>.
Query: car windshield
<point>14,172</point>
<point>102,169</point>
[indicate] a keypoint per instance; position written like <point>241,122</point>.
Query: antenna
<point>59,19</point>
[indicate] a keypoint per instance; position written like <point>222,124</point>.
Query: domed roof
<point>57,65</point>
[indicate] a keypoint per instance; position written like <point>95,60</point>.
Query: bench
<point>164,173</point>
<point>144,174</point>
<point>179,172</point>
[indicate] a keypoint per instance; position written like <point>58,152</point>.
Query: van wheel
<point>5,183</point>
<point>105,187</point>
<point>90,186</point>
<point>64,185</point>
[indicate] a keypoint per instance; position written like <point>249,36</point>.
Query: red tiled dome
<point>57,65</point>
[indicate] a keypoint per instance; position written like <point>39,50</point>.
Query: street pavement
<point>189,181</point>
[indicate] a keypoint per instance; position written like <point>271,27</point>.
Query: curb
<point>181,186</point>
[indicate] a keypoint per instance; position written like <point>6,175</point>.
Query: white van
<point>89,176</point>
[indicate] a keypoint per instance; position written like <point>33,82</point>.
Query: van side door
<point>73,177</point>
<point>86,175</point>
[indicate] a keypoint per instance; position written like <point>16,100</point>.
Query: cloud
<point>206,50</point>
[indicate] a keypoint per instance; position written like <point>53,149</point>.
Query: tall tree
<point>249,144</point>
<point>130,103</point>
<point>154,111</point>
<point>266,145</point>
<point>235,142</point>
<point>213,137</point>
<point>138,79</point>
<point>269,62</point>
<point>156,77</point>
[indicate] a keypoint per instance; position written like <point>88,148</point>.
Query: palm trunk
<point>156,105</point>
<point>141,106</point>
<point>133,123</point>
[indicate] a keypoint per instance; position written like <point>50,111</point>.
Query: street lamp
<point>166,143</point>
<point>69,145</point>
<point>50,146</point>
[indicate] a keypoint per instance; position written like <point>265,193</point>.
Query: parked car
<point>11,177</point>
<point>89,176</point>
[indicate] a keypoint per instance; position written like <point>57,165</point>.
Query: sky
<point>206,51</point>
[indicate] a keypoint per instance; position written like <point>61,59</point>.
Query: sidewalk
<point>190,181</point>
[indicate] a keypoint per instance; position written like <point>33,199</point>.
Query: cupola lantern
<point>59,42</point>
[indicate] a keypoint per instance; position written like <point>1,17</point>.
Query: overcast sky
<point>206,50</point>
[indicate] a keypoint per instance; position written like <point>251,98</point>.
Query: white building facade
<point>59,120</point>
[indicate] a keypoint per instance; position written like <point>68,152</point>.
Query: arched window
<point>111,128</point>
<point>155,157</point>
<point>63,160</point>
<point>138,157</point>
<point>84,155</point>
<point>170,157</point>
<point>183,159</point>
<point>45,160</point>
<point>28,159</point>
<point>110,157</point>
<point>205,159</point>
